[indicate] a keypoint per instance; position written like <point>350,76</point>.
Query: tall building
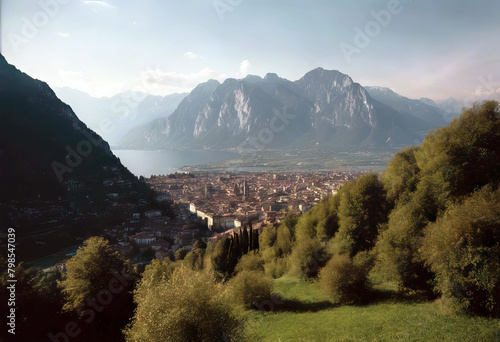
<point>246,189</point>
<point>208,191</point>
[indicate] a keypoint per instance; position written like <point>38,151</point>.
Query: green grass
<point>303,314</point>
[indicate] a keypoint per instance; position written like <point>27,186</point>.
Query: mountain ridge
<point>329,110</point>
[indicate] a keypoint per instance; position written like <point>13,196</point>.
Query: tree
<point>38,303</point>
<point>220,254</point>
<point>463,249</point>
<point>90,271</point>
<point>245,244</point>
<point>362,209</point>
<point>308,257</point>
<point>465,155</point>
<point>97,287</point>
<point>398,246</point>
<point>401,176</point>
<point>188,306</point>
<point>321,221</point>
<point>451,164</point>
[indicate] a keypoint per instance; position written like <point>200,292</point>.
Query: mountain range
<point>112,117</point>
<point>323,109</point>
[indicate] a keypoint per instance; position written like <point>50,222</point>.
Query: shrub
<point>463,249</point>
<point>343,280</point>
<point>250,262</point>
<point>248,288</point>
<point>195,259</point>
<point>181,253</point>
<point>189,306</point>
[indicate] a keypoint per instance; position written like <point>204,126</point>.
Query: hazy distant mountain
<point>424,109</point>
<point>451,106</point>
<point>323,109</point>
<point>113,117</point>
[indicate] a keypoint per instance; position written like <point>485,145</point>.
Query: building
<point>163,198</point>
<point>246,189</point>
<point>304,207</point>
<point>219,223</point>
<point>143,238</point>
<point>208,190</point>
<point>152,213</point>
<point>192,208</point>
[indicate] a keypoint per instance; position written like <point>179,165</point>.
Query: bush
<point>275,267</point>
<point>343,280</point>
<point>250,262</point>
<point>195,259</point>
<point>248,288</point>
<point>308,256</point>
<point>463,249</point>
<point>189,306</point>
<point>181,253</point>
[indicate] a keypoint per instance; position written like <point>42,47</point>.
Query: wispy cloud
<point>99,3</point>
<point>158,81</point>
<point>62,34</point>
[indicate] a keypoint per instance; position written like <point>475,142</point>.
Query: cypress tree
<point>250,237</point>
<point>244,241</point>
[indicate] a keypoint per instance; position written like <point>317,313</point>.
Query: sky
<point>426,48</point>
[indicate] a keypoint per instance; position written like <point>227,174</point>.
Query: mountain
<point>113,117</point>
<point>424,109</point>
<point>58,177</point>
<point>324,108</point>
<point>451,106</point>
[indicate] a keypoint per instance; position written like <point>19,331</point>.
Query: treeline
<point>430,223</point>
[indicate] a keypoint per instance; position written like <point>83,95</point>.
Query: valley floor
<point>273,160</point>
<point>303,314</point>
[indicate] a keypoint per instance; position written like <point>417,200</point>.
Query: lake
<point>146,163</point>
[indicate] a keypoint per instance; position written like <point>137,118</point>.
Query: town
<point>210,205</point>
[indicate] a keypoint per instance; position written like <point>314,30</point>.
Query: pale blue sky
<point>428,48</point>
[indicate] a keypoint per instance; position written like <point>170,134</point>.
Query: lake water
<point>147,163</point>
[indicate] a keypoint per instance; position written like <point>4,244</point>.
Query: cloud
<point>99,3</point>
<point>93,86</point>
<point>156,81</point>
<point>62,34</point>
<point>244,67</point>
<point>192,55</point>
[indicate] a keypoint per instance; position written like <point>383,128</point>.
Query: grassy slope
<point>306,315</point>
